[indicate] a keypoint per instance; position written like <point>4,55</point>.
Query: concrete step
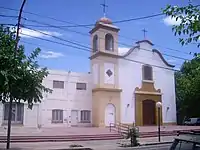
<point>65,138</point>
<point>60,136</point>
<point>62,139</point>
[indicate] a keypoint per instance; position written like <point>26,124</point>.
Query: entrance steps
<point>66,138</point>
<point>84,134</point>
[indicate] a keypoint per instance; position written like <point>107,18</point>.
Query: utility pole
<point>15,52</point>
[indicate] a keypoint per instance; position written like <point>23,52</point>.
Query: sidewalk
<point>96,145</point>
<point>63,131</point>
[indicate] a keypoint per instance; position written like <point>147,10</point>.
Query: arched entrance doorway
<point>149,112</point>
<point>110,115</point>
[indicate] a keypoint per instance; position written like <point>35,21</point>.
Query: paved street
<point>152,147</point>
<point>96,145</point>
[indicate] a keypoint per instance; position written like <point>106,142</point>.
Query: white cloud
<point>170,21</point>
<point>51,54</point>
<point>25,32</point>
<point>123,50</point>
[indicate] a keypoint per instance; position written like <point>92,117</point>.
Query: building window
<point>57,116</point>
<point>17,113</point>
<point>95,43</point>
<point>81,86</point>
<point>58,84</point>
<point>109,42</point>
<point>85,116</point>
<point>147,72</point>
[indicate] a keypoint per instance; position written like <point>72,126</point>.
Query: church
<point>121,88</point>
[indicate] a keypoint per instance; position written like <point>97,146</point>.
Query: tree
<point>187,89</point>
<point>189,27</point>
<point>20,75</point>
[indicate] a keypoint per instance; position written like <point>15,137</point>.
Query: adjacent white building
<point>120,88</point>
<point>69,104</point>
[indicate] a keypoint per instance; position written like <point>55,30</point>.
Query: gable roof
<point>153,50</point>
<point>147,41</point>
<point>163,59</point>
<point>130,51</point>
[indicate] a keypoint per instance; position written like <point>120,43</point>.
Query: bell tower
<point>104,67</point>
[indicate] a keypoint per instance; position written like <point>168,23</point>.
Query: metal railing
<point>120,128</point>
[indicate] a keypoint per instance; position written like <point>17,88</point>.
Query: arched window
<point>147,72</point>
<point>95,43</point>
<point>109,42</point>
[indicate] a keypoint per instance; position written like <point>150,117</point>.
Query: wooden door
<point>149,112</point>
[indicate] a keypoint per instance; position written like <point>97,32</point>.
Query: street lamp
<point>159,105</point>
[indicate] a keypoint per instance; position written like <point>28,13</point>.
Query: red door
<point>149,112</point>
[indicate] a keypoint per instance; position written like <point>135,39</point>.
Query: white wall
<point>30,116</point>
<point>66,99</point>
<point>130,77</point>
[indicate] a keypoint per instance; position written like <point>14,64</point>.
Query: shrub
<point>133,134</point>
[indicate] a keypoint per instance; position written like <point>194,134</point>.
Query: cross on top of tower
<point>104,8</point>
<point>145,31</point>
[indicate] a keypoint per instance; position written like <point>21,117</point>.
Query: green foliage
<point>133,134</point>
<point>20,75</point>
<point>189,28</point>
<point>188,89</point>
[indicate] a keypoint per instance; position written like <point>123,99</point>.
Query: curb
<point>156,143</point>
<point>146,146</point>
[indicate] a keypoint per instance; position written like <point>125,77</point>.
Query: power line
<point>103,39</point>
<point>139,18</point>
<point>90,51</point>
<point>63,44</point>
<point>57,43</point>
<point>172,49</point>
<point>8,24</point>
<point>84,49</point>
<point>102,59</point>
<point>45,16</point>
<point>84,34</point>
<point>30,43</point>
<point>6,16</point>
<point>57,27</point>
<point>47,26</point>
<point>56,37</point>
<point>88,35</point>
<point>77,43</point>
<point>92,24</point>
<point>87,25</point>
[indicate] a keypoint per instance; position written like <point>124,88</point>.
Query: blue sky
<point>56,56</point>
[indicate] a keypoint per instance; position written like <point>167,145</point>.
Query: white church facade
<point>121,88</point>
